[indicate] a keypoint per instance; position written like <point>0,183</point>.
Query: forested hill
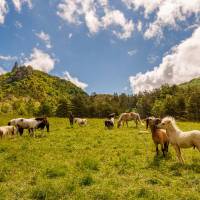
<point>193,83</point>
<point>24,90</point>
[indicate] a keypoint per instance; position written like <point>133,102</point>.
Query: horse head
<point>119,123</point>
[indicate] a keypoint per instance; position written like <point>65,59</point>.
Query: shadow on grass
<point>192,167</point>
<point>158,159</point>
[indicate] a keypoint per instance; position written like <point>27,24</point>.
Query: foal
<point>178,138</point>
<point>159,136</point>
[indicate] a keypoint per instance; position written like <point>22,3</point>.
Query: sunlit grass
<point>94,163</point>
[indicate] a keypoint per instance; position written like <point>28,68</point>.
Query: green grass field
<point>94,163</point>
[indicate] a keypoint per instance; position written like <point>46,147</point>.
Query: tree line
<point>180,102</point>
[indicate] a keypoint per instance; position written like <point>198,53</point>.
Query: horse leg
<point>198,147</point>
<point>178,153</point>
<point>163,149</point>
<point>136,123</point>
<point>127,124</point>
<point>157,151</point>
<point>166,146</point>
<point>33,132</point>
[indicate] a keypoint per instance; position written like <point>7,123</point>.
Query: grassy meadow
<point>94,163</point>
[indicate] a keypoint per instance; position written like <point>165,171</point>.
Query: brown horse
<point>159,136</point>
<point>125,117</point>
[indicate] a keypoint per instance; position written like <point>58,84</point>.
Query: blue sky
<point>104,46</point>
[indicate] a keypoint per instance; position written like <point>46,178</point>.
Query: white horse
<point>178,138</point>
<point>30,124</point>
<point>80,121</point>
<point>7,130</point>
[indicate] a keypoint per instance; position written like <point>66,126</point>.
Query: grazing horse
<point>30,124</point>
<point>159,136</point>
<point>125,117</point>
<point>7,130</point>
<point>80,121</point>
<point>178,138</point>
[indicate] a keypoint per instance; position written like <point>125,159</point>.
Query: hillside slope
<point>24,88</point>
<point>26,82</point>
<point>193,83</point>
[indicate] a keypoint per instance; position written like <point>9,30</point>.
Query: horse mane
<point>40,118</point>
<point>120,117</point>
<point>172,120</point>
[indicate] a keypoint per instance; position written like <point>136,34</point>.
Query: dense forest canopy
<point>25,91</point>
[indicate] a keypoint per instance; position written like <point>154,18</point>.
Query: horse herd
<point>19,124</point>
<point>164,131</point>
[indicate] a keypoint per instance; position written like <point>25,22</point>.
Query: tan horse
<point>125,117</point>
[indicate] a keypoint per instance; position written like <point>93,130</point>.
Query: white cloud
<point>116,17</point>
<point>7,58</point>
<point>132,52</point>
<point>167,13</point>
<point>45,38</point>
<point>2,71</point>
<point>3,11</point>
<point>18,4</point>
<point>92,22</point>
<point>139,26</point>
<point>181,65</point>
<point>75,81</point>
<point>18,24</point>
<point>40,60</point>
<point>70,35</point>
<point>152,59</point>
<point>85,11</point>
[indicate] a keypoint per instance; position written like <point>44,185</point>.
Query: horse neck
<point>173,130</point>
<point>153,128</point>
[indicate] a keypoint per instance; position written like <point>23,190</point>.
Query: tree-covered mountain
<point>28,91</point>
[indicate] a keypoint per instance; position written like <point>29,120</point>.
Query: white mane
<point>172,120</point>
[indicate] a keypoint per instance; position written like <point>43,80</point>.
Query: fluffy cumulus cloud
<point>40,60</point>
<point>19,3</point>
<point>45,38</point>
<point>179,66</point>
<point>168,13</point>
<point>75,81</point>
<point>87,11</point>
<point>3,11</point>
